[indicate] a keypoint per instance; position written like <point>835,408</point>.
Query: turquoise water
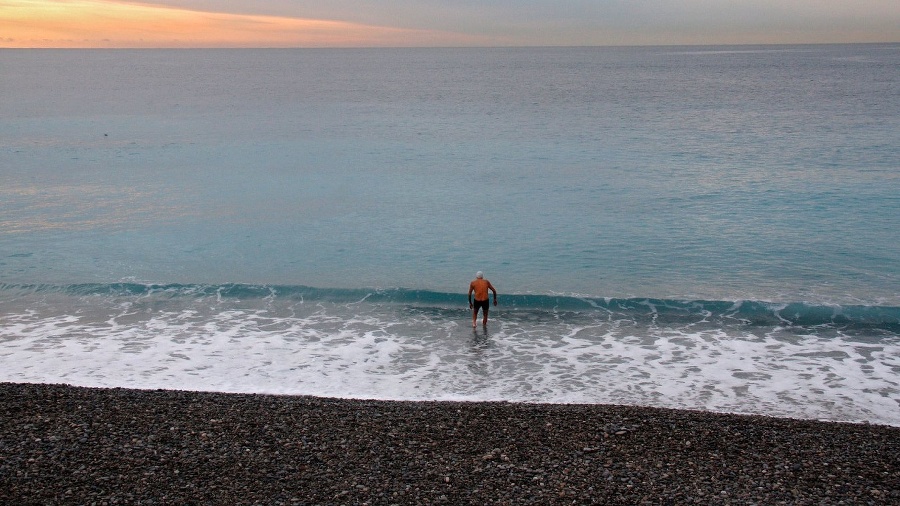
<point>709,227</point>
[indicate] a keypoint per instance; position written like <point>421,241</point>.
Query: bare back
<point>481,287</point>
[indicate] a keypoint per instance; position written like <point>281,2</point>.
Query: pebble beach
<point>70,445</point>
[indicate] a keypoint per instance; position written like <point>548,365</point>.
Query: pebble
<point>69,445</point>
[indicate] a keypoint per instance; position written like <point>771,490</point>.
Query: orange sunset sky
<point>101,23</point>
<point>371,23</point>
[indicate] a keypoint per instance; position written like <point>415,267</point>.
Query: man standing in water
<point>480,286</point>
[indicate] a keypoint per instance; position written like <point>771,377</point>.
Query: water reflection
<point>481,338</point>
<point>78,207</point>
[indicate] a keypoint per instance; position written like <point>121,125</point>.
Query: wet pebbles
<point>68,445</point>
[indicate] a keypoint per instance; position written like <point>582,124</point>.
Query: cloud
<point>105,23</point>
<point>292,23</point>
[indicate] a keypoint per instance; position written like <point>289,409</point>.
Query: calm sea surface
<point>700,227</point>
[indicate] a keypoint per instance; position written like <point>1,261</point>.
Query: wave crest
<point>743,312</point>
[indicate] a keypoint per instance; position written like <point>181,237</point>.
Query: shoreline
<point>73,445</point>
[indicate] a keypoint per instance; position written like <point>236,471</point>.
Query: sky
<point>430,23</point>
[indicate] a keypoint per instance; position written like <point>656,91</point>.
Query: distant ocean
<point>711,228</point>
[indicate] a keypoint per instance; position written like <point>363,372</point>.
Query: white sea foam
<point>401,352</point>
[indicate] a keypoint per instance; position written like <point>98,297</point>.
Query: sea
<point>704,227</point>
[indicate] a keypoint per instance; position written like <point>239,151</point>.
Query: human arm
<point>491,288</point>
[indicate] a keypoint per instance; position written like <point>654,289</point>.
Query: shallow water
<point>797,361</point>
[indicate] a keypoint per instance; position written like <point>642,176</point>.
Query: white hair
<point>479,274</point>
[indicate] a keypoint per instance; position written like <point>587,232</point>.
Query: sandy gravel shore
<point>66,445</point>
